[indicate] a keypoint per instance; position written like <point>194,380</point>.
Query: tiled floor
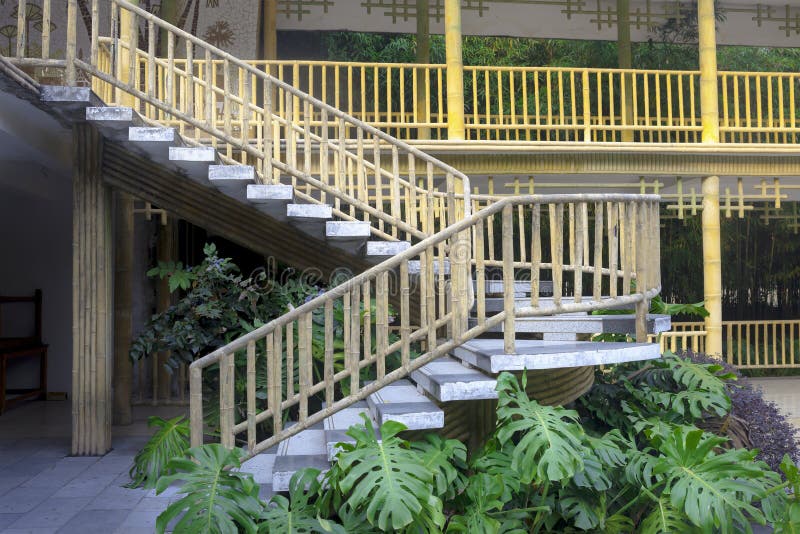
<point>43,490</point>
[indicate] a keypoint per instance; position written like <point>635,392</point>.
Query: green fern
<point>550,438</point>
<point>386,481</point>
<point>150,463</point>
<point>218,500</point>
<point>297,514</point>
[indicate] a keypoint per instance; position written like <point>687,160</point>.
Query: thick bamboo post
<point>268,47</point>
<point>126,29</point>
<point>625,61</point>
<point>423,57</point>
<point>92,328</point>
<point>455,69</point>
<point>712,264</point>
<point>123,303</point>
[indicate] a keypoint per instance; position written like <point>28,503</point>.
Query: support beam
<point>123,305</point>
<point>423,57</point>
<point>712,263</point>
<point>92,349</point>
<point>455,70</point>
<point>268,47</point>
<point>625,61</point>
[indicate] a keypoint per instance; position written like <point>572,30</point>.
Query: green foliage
<point>171,440</point>
<point>217,499</point>
<point>297,513</point>
<point>385,481</point>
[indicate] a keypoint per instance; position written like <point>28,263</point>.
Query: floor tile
<point>143,519</point>
<point>32,530</point>
<point>52,513</point>
<point>86,485</point>
<point>7,519</point>
<point>22,500</point>
<point>94,522</point>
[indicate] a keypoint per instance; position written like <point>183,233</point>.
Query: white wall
<point>36,252</point>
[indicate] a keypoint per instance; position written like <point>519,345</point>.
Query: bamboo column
<point>625,61</point>
<point>268,47</point>
<point>423,57</point>
<point>123,303</point>
<point>126,34</point>
<point>712,264</point>
<point>92,334</point>
<point>455,70</point>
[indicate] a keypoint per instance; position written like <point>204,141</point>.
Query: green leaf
<point>447,460</point>
<point>386,481</point>
<point>217,498</point>
<point>170,440</point>
<point>665,519</point>
<point>548,440</point>
<point>297,514</point>
<point>484,494</point>
<point>715,490</point>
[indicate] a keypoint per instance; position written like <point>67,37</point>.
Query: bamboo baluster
<point>557,248</point>
<point>378,177</point>
<point>226,400</point>
<point>289,358</point>
<point>328,364</point>
<point>208,100</point>
<point>251,396</point>
<point>536,253</point>
<point>169,84</point>
<point>613,247</point>
<point>195,406</point>
<point>405,312</point>
<point>509,330</point>
<point>381,324</point>
<point>597,284</point>
<point>639,215</point>
<point>151,66</point>
<point>480,273</point>
<point>274,379</point>
<point>628,238</point>
<point>578,257</point>
<point>291,138</point>
<point>189,96</point>
<point>523,253</point>
<point>324,171</point>
<point>423,294</point>
<point>22,28</point>
<point>355,339</point>
<point>244,115</point>
<point>304,326</point>
<point>342,162</point>
<point>366,319</point>
<point>46,29</point>
<point>395,200</point>
<point>307,141</point>
<point>361,174</point>
<point>267,169</point>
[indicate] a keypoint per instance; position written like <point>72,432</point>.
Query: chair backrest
<point>36,301</point>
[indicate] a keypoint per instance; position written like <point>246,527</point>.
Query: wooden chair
<point>23,347</point>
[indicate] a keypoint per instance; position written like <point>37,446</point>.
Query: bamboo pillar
<point>166,251</point>
<point>712,264</point>
<point>123,57</point>
<point>92,349</point>
<point>268,48</point>
<point>625,61</point>
<point>423,57</point>
<point>455,70</point>
<point>123,303</point>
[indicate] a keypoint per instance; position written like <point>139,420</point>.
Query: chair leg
<point>43,374</point>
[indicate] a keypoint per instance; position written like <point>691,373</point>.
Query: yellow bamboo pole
<point>625,61</point>
<point>712,265</point>
<point>424,57</point>
<point>455,69</point>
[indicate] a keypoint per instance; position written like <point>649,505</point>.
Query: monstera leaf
<point>170,440</point>
<point>495,460</point>
<point>297,514</point>
<point>386,481</point>
<point>484,493</point>
<point>715,490</point>
<point>664,519</point>
<point>447,460</point>
<point>217,499</point>
<point>549,446</point>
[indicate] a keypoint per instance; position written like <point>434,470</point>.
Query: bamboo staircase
<point>447,298</point>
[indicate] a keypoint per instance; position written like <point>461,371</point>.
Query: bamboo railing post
<point>196,406</point>
<point>72,42</point>
<point>642,275</point>
<point>226,400</point>
<point>509,329</point>
<point>251,396</point>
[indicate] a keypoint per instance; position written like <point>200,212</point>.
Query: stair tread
<point>585,324</point>
<point>448,379</point>
<point>414,267</point>
<point>489,354</point>
<point>522,287</point>
<point>309,211</point>
<point>347,230</point>
<point>400,401</point>
<point>336,426</point>
<point>386,248</point>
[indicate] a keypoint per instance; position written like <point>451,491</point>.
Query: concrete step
<point>584,324</point>
<point>400,401</point>
<point>415,268</point>
<point>448,379</point>
<point>113,121</point>
<point>488,354</point>
<point>194,162</point>
<point>497,304</point>
<point>69,103</point>
<point>350,236</point>
<point>521,287</point>
<point>379,251</point>
<point>336,426</point>
<point>310,218</point>
<point>305,449</point>
<point>232,180</point>
<point>154,142</point>
<point>271,199</point>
